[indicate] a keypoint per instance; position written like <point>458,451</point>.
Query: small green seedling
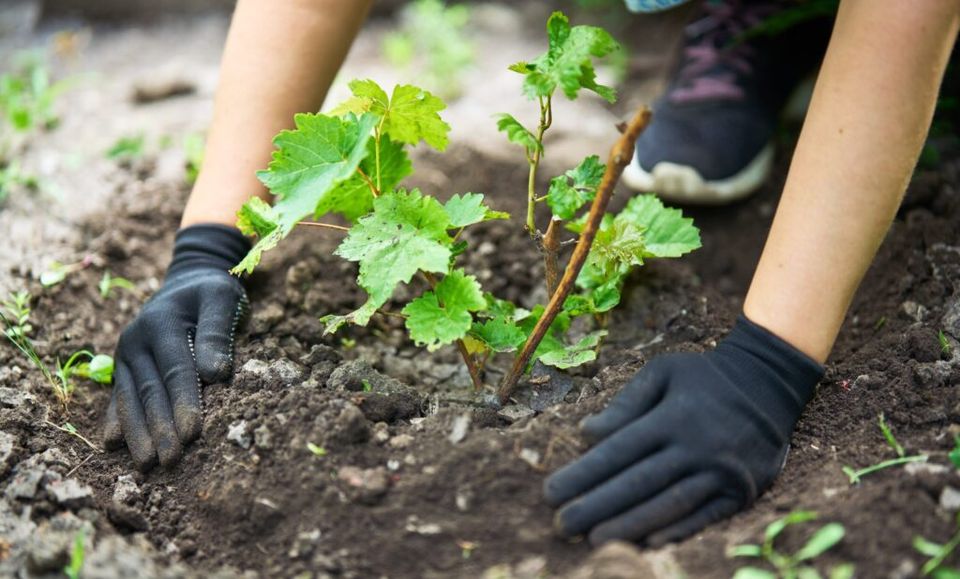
<point>27,95</point>
<point>108,282</point>
<point>938,553</point>
<point>193,152</point>
<point>855,475</point>
<point>14,178</point>
<point>955,453</point>
<point>880,323</point>
<point>72,570</point>
<point>352,160</point>
<point>72,431</point>
<point>57,272</point>
<point>316,450</point>
<point>15,316</point>
<point>432,43</point>
<point>127,148</point>
<point>796,565</point>
<point>944,342</point>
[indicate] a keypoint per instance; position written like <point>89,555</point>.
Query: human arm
<point>280,59</point>
<point>695,437</point>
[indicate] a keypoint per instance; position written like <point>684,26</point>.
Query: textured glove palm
<point>691,439</point>
<point>183,334</point>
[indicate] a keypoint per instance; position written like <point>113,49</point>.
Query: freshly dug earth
<point>418,477</point>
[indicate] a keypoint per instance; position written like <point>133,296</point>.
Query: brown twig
<point>620,156</point>
<point>551,255</point>
<point>468,358</point>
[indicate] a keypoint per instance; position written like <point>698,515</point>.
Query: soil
<point>418,478</point>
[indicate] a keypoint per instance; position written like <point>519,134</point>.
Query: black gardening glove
<point>691,439</point>
<point>155,406</point>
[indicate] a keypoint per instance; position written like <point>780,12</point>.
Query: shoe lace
<point>715,56</point>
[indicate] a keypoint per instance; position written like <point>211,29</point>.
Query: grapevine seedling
<point>856,475</point>
<point>796,565</point>
<point>938,554</point>
<point>351,161</point>
<point>73,569</point>
<point>432,41</point>
<point>16,322</point>
<point>108,282</point>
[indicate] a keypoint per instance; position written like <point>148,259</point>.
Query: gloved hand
<point>691,439</point>
<point>183,334</point>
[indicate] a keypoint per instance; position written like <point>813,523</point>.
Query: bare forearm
<point>280,58</point>
<point>867,122</point>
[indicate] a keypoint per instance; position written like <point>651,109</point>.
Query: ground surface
<point>418,479</point>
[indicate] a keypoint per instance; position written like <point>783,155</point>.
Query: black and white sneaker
<point>711,137</point>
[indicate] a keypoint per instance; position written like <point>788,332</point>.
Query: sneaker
<point>711,137</point>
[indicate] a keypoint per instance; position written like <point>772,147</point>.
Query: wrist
<point>207,245</point>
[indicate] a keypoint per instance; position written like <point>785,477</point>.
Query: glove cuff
<point>795,373</point>
<point>207,245</point>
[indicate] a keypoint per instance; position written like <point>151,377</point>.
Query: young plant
<point>109,282</point>
<point>16,322</point>
<point>13,178</point>
<point>796,565</point>
<point>126,149</point>
<point>73,569</point>
<point>193,151</point>
<point>57,272</point>
<point>938,553</point>
<point>855,475</point>
<point>352,160</point>
<point>954,454</point>
<point>944,342</point>
<point>432,41</point>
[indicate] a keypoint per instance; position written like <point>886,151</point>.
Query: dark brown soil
<point>398,494</point>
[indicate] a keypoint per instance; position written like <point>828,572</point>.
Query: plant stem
<point>551,255</point>
<point>620,156</point>
<point>324,225</point>
<point>945,551</point>
<point>75,433</point>
<point>374,190</point>
<point>468,359</point>
<point>546,119</point>
<point>856,475</point>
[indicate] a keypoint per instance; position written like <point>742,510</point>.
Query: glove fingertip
<point>188,423</point>
<point>214,366</point>
<point>112,432</point>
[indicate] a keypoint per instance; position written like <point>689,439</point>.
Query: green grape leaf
<point>443,315</point>
<point>257,217</point>
<point>405,233</point>
<point>409,115</point>
<point>519,134</point>
<point>570,191</point>
<point>353,198</point>
<point>499,334</point>
<point>666,232</point>
<point>568,62</point>
<point>469,209</point>
<point>585,350</point>
<point>309,162</point>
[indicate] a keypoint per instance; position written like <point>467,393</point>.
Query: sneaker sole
<point>684,184</point>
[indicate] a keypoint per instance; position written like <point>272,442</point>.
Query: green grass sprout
<point>795,565</point>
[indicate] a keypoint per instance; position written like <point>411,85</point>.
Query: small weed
<point>72,570</point>
<point>57,272</point>
<point>792,566</point>
<point>432,42</point>
<point>108,282</point>
<point>938,554</point>
<point>127,148</point>
<point>193,150</point>
<point>13,178</point>
<point>855,475</point>
<point>944,342</point>
<point>316,450</point>
<point>27,95</point>
<point>15,316</point>
<point>880,323</point>
<point>955,453</point>
<point>366,386</point>
<point>72,431</point>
